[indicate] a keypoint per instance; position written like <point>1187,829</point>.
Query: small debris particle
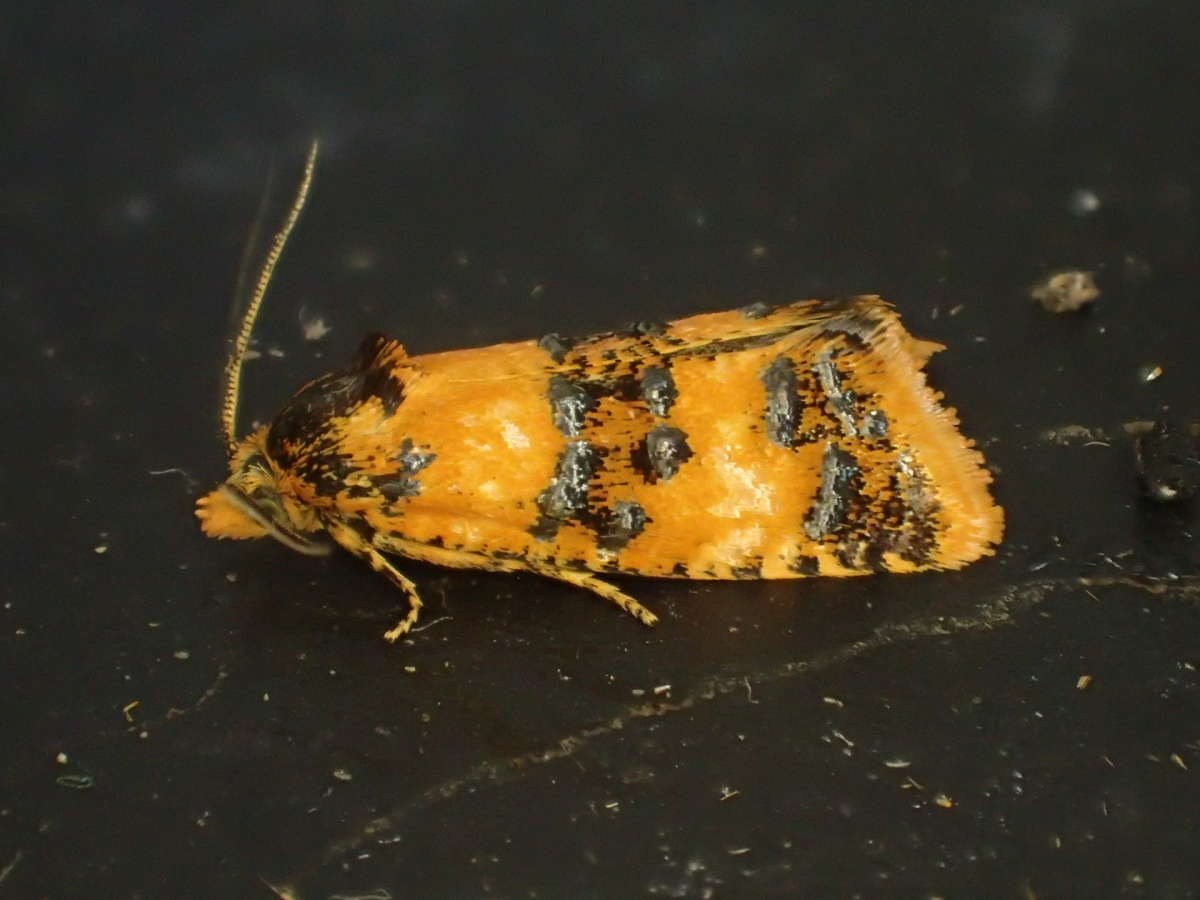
<point>360,259</point>
<point>759,251</point>
<point>1167,459</point>
<point>61,759</point>
<point>749,693</point>
<point>1082,683</point>
<point>943,801</point>
<point>738,851</point>
<point>833,701</point>
<point>411,670</point>
<point>128,708</point>
<point>101,549</point>
<point>276,352</point>
<point>661,689</point>
<point>1084,202</point>
<point>841,737</point>
<point>613,805</point>
<point>231,577</point>
<point>728,793</point>
<point>1065,435</point>
<point>462,259</point>
<point>314,328</point>
<point>430,624</point>
<point>75,782</point>
<point>343,775</point>
<point>1066,291</point>
<point>638,692</point>
<point>1178,761</point>
<point>956,309</point>
<point>182,654</point>
<point>1133,876</point>
<point>1150,372</point>
<point>537,291</point>
<point>266,697</point>
<point>897,763</point>
<point>1135,268</point>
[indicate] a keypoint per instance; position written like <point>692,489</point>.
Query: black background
<point>491,173</point>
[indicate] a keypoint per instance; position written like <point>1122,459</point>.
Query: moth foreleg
<point>352,541</point>
<point>604,589</point>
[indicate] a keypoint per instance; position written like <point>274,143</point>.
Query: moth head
<point>250,504</point>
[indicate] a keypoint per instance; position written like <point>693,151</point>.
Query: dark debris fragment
<point>1167,457</point>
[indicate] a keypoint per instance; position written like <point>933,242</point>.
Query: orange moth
<point>765,442</point>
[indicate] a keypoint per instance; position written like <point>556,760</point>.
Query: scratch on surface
<point>190,483</point>
<point>175,712</point>
<point>992,613</point>
<point>12,864</point>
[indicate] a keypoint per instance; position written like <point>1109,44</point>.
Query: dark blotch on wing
<point>401,484</point>
<point>840,477</point>
<point>625,521</point>
<point>757,310</point>
<point>842,400</point>
<point>556,345</point>
<point>651,328</point>
<point>412,458</point>
<point>783,401</point>
<point>805,565</point>
<point>661,453</point>
<point>658,390</point>
<point>570,402</point>
<point>875,424</point>
<point>567,493</point>
<point>304,422</point>
<point>752,569</point>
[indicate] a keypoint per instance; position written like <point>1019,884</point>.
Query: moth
<point>771,441</point>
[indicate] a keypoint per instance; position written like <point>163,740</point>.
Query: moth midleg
<point>447,557</point>
<point>603,588</point>
<point>462,559</point>
<point>354,542</point>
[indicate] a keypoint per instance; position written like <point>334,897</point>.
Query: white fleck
<point>181,654</point>
<point>359,259</point>
<point>490,490</point>
<point>739,544</point>
<point>1084,201</point>
<point>101,548</point>
<point>514,436</point>
<point>61,759</point>
<point>314,327</point>
<point>745,491</point>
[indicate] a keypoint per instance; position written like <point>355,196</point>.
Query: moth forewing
<point>766,442</point>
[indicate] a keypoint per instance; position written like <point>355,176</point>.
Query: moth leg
<point>352,541</point>
<point>401,628</point>
<point>604,589</point>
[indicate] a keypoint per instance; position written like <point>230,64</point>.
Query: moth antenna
<point>233,368</point>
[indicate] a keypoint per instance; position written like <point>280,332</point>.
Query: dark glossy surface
<point>493,176</point>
